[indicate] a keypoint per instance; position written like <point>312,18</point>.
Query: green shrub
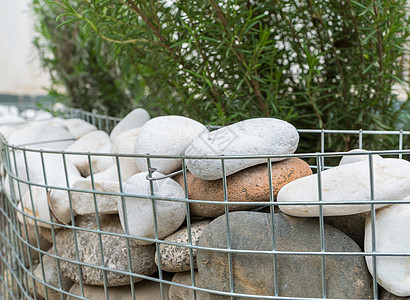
<point>85,71</point>
<point>316,64</point>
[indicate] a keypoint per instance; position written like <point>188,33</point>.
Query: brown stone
<point>249,185</point>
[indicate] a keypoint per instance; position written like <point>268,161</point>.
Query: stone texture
<point>124,144</point>
<point>298,275</point>
<point>83,202</point>
<point>392,236</point>
<point>94,142</point>
<point>139,211</point>
<point>352,225</point>
<point>136,118</point>
<point>144,290</point>
<point>249,185</point>
<point>180,293</point>
<point>52,277</point>
<point>349,182</point>
<point>261,136</point>
<point>114,250</point>
<point>177,258</point>
<point>166,135</point>
<point>31,237</point>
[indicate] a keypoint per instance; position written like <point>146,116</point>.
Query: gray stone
<point>52,277</point>
<point>385,295</point>
<point>352,225</point>
<point>144,290</point>
<point>177,258</point>
<point>180,293</point>
<point>297,275</point>
<point>261,136</point>
<point>114,250</point>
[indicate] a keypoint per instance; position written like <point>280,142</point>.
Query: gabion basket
<point>23,233</point>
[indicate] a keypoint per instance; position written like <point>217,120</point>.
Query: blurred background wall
<point>20,69</point>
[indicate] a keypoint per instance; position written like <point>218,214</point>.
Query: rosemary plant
<point>315,63</point>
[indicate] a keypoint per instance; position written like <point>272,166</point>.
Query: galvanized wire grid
<point>18,282</point>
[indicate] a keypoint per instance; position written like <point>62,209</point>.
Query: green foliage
<point>317,64</point>
<point>85,71</point>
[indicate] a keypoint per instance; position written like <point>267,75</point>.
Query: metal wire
<point>17,263</point>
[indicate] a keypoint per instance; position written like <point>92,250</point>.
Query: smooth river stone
<point>349,182</point>
<point>114,248</point>
<point>392,236</point>
<point>94,142</point>
<point>136,118</point>
<point>42,136</point>
<point>166,135</point>
<point>249,185</point>
<point>177,258</point>
<point>262,136</point>
<point>40,201</point>
<point>52,277</point>
<point>139,211</point>
<point>298,275</point>
<point>78,127</point>
<point>181,293</point>
<point>84,202</point>
<point>144,290</point>
<point>348,159</point>
<point>106,182</point>
<point>352,225</point>
<point>124,144</point>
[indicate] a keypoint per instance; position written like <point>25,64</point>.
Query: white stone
<point>29,167</point>
<point>94,142</point>
<point>8,110</point>
<point>36,115</point>
<point>78,127</point>
<point>392,236</point>
<point>42,136</point>
<point>11,119</point>
<point>349,182</point>
<point>124,144</point>
<point>83,202</point>
<point>139,211</point>
<point>134,119</point>
<point>167,135</point>
<point>261,136</point>
<point>348,159</point>
<point>55,173</point>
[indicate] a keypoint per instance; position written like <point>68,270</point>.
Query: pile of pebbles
<point>88,196</point>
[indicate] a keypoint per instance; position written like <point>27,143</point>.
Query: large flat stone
<point>298,275</point>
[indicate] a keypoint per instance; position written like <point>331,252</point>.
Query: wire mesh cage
<point>75,235</point>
